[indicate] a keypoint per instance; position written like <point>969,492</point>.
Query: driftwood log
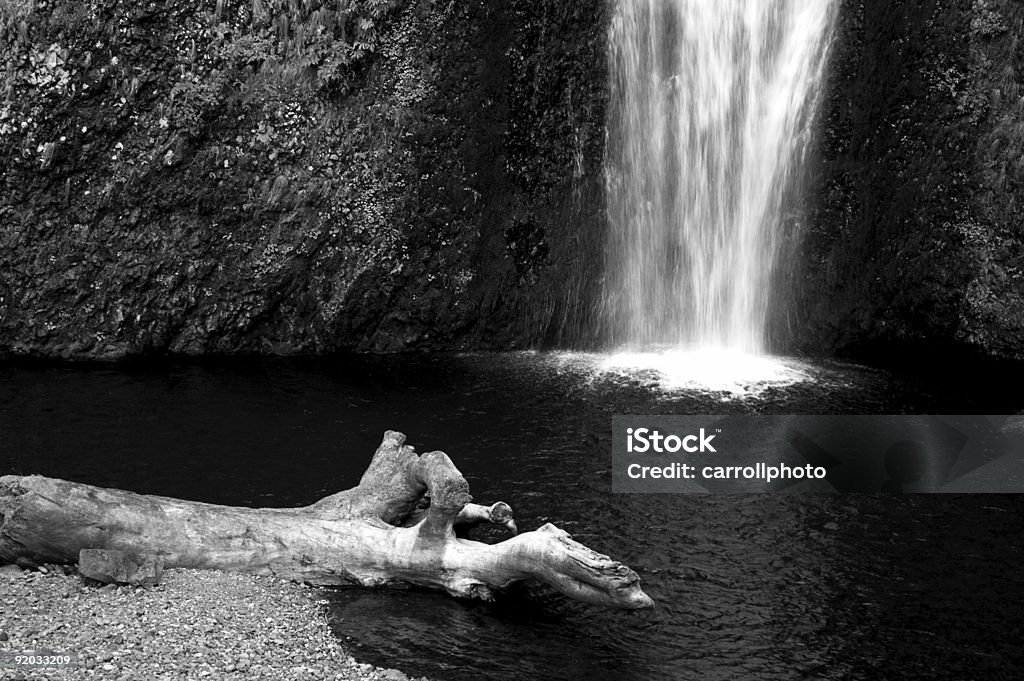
<point>397,525</point>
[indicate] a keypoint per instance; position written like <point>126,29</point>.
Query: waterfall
<point>710,117</point>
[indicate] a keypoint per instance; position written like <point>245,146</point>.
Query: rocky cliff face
<point>917,241</point>
<point>291,176</point>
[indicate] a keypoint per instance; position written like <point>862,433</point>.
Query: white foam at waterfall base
<point>717,370</point>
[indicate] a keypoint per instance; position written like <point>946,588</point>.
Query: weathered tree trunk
<point>397,525</point>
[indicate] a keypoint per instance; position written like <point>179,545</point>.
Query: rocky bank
<point>194,625</point>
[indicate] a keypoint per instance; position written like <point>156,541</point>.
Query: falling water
<point>710,117</point>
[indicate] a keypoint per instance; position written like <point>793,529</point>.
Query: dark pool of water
<point>825,587</point>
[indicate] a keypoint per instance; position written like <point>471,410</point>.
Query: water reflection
<point>518,637</point>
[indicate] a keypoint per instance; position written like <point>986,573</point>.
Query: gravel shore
<point>195,625</point>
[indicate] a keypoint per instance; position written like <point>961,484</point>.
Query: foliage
<point>558,98</point>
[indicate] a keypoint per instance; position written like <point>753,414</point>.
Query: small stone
<point>117,567</point>
<point>150,571</point>
<point>108,667</point>
<point>832,527</point>
<point>4,636</point>
<point>106,656</point>
<point>394,675</point>
<point>119,639</point>
<point>12,571</point>
<point>108,567</point>
<point>42,568</point>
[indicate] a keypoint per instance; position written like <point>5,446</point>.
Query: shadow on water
<point>831,587</point>
<point>457,636</point>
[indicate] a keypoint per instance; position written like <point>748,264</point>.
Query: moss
<point>912,238</point>
<point>276,176</point>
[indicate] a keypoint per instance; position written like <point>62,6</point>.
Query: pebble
<point>265,628</point>
<point>12,571</point>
